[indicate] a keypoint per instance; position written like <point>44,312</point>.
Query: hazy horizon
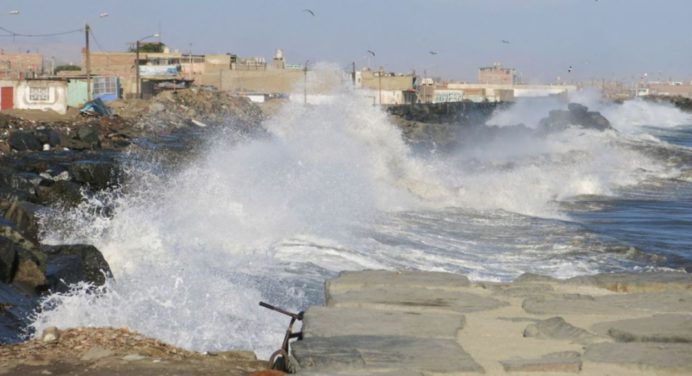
<point>543,39</point>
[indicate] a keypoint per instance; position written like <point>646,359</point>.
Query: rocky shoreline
<point>52,162</point>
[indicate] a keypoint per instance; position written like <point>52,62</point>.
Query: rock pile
<point>199,108</point>
<point>576,115</point>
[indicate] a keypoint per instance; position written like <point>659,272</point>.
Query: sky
<point>598,39</point>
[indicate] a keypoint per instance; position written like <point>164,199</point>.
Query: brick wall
<point>16,65</point>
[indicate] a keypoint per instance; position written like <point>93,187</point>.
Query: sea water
<point>333,186</point>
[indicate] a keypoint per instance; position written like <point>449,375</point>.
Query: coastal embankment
<point>423,323</point>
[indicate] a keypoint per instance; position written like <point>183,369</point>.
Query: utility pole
<point>353,73</point>
<point>87,30</point>
<point>190,61</point>
<point>137,68</point>
<point>379,79</point>
<point>305,83</point>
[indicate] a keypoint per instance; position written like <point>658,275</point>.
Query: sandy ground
<point>495,335</point>
<point>108,351</point>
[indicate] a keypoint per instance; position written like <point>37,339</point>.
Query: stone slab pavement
<point>430,323</point>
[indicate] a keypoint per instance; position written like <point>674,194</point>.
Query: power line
<point>91,31</point>
<point>15,34</point>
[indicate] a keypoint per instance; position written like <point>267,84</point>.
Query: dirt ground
<point>109,351</point>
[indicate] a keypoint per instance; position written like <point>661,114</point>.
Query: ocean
<point>195,245</point>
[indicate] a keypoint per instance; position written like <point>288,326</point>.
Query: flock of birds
<point>431,52</point>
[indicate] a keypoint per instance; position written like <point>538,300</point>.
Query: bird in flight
<point>433,52</point>
<point>569,70</point>
<point>505,41</point>
<point>371,52</point>
<point>309,11</point>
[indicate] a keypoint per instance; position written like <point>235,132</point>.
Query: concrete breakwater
<point>422,323</point>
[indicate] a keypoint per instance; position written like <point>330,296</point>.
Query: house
<point>34,94</point>
<point>107,88</point>
<point>496,74</point>
<point>154,67</point>
<point>386,87</point>
<point>7,90</point>
<point>41,94</point>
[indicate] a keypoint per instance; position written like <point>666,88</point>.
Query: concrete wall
<point>388,97</point>
<point>193,70</point>
<point>442,96</point>
<point>42,95</point>
<point>119,64</point>
<point>497,92</point>
<point>370,80</point>
<point>272,81</point>
<point>76,93</point>
<point>666,89</point>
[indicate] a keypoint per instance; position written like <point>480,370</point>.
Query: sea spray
<point>331,187</point>
<point>193,252</point>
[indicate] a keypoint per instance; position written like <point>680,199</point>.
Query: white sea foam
<point>629,116</point>
<point>269,218</point>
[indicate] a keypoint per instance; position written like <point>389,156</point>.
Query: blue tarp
<point>96,107</point>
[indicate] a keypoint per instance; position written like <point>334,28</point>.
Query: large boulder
<point>8,259</point>
<point>59,191</point>
<point>29,273</point>
<point>575,115</point>
<point>47,136</point>
<point>15,313</point>
<point>89,135</point>
<point>24,217</point>
<point>73,263</point>
<point>98,174</point>
<point>23,141</point>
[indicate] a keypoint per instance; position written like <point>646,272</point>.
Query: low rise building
<point>7,90</point>
<point>42,94</point>
<point>20,65</point>
<point>668,89</point>
<point>387,88</point>
<point>497,75</point>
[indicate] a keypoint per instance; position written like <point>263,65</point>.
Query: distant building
<point>20,65</point>
<point>667,89</point>
<point>496,74</point>
<point>155,68</point>
<point>387,88</point>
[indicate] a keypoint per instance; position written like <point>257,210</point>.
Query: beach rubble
<point>116,351</point>
<point>425,323</point>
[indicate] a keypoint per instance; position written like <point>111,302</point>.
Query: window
<point>105,86</point>
<point>39,94</point>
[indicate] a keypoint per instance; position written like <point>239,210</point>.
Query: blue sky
<point>620,39</point>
